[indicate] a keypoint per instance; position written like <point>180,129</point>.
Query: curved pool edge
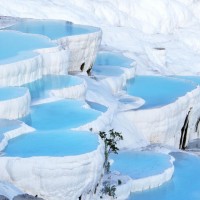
<point>167,120</point>
<point>137,185</point>
<point>77,91</point>
<point>52,60</point>
<point>8,135</point>
<point>116,84</point>
<point>36,175</point>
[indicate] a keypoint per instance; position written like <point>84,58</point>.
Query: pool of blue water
<point>158,91</point>
<point>184,185</point>
<point>54,143</point>
<point>63,114</point>
<point>112,59</point>
<point>54,29</point>
<point>18,46</point>
<point>39,88</point>
<point>7,93</point>
<point>140,164</point>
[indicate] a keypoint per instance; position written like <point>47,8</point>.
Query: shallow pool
<point>54,143</point>
<point>54,29</point>
<point>184,185</point>
<point>18,46</point>
<point>39,88</point>
<point>63,114</point>
<point>112,59</point>
<point>158,91</point>
<point>140,164</point>
<point>8,93</point>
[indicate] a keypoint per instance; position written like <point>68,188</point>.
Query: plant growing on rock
<point>110,140</point>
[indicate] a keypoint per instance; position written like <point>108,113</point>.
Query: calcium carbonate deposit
<point>71,69</point>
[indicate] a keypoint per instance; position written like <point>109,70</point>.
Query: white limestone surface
<point>46,61</point>
<point>54,60</point>
<point>15,106</point>
<point>163,124</point>
<point>21,72</point>
<point>116,83</point>
<point>82,49</point>
<point>55,178</point>
<point>132,138</point>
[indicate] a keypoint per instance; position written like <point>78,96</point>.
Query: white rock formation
<point>49,61</point>
<point>15,107</point>
<point>141,184</point>
<point>82,49</point>
<point>55,178</point>
<point>163,124</point>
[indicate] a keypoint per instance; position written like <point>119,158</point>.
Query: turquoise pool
<point>184,185</point>
<point>158,91</point>
<point>18,46</point>
<point>140,164</point>
<point>112,59</point>
<point>54,143</point>
<point>54,29</point>
<point>63,114</point>
<point>39,88</point>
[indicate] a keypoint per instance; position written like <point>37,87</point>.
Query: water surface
<point>140,164</point>
<point>17,46</point>
<point>54,29</point>
<point>184,185</point>
<point>54,143</point>
<point>158,91</point>
<point>63,114</point>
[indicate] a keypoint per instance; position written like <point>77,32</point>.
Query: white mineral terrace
<point>14,102</point>
<point>75,175</point>
<point>81,42</point>
<point>49,120</point>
